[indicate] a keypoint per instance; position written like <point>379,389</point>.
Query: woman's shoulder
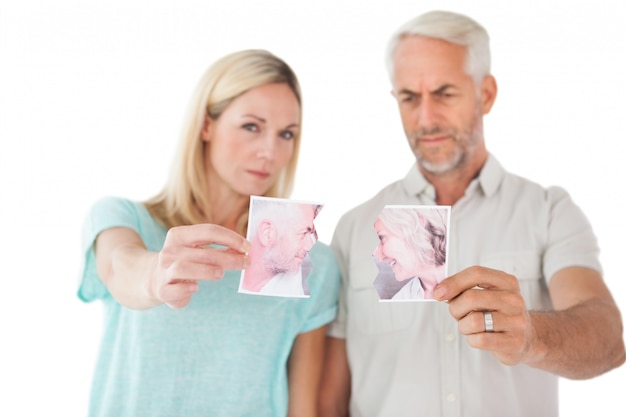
<point>115,202</point>
<point>114,206</point>
<point>322,252</point>
<point>111,211</point>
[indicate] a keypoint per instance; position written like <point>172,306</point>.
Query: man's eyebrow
<point>408,92</point>
<point>443,88</point>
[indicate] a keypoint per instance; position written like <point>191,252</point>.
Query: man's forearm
<point>580,342</point>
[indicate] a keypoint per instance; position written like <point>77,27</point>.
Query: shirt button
<point>451,397</point>
<point>450,337</point>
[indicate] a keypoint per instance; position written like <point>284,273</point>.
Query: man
<point>282,234</point>
<point>526,301</point>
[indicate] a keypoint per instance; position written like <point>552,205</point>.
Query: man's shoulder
<point>386,195</point>
<point>526,187</point>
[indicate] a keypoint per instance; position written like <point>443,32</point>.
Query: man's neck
<point>450,186</point>
<point>256,279</point>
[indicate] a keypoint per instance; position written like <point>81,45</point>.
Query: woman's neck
<point>227,208</point>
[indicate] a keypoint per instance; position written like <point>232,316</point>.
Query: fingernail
<point>192,287</point>
<point>246,261</point>
<point>246,246</point>
<point>440,293</point>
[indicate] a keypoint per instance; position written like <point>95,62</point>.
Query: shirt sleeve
<point>571,240</point>
<point>106,213</point>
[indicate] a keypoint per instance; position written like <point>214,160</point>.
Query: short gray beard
<point>460,155</point>
<point>277,262</point>
<point>457,159</point>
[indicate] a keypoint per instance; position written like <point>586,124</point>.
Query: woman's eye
<point>288,135</point>
<point>251,127</point>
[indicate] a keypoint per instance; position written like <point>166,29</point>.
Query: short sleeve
<point>106,213</point>
<point>571,240</point>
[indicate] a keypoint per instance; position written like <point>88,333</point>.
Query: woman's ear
<point>207,127</point>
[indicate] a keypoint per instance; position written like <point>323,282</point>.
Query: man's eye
<point>445,95</point>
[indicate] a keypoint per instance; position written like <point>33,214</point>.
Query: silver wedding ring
<point>488,321</point>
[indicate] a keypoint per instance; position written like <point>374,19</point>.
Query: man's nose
<point>308,243</point>
<point>428,113</point>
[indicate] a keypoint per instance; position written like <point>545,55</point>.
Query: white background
<point>92,96</point>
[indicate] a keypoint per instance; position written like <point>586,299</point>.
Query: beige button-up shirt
<point>409,359</point>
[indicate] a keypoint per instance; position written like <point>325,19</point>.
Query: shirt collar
<point>489,180</point>
<point>491,176</point>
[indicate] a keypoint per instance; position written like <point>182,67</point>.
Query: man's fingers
<point>474,277</point>
<point>475,322</point>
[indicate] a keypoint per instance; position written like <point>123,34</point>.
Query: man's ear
<point>266,233</point>
<point>488,93</point>
<point>207,126</point>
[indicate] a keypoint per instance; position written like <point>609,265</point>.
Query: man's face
<point>295,242</point>
<point>438,102</point>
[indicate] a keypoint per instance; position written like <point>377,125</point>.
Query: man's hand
<point>476,290</point>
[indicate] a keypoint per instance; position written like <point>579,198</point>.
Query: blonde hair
<point>184,199</point>
<point>422,230</point>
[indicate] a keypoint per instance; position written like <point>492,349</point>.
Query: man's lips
<point>433,139</point>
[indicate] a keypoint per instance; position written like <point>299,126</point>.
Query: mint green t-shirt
<point>225,354</point>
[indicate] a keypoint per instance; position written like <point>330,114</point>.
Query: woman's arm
<point>334,396</point>
<point>140,279</point>
<point>305,370</point>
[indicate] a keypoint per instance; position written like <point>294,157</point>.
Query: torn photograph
<point>411,254</point>
<point>282,233</point>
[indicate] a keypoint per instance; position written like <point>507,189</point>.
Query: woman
<point>179,340</point>
<point>413,242</point>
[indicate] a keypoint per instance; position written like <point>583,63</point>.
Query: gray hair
<point>277,211</point>
<point>450,27</point>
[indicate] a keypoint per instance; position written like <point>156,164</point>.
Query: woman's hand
<point>140,279</point>
<point>189,255</point>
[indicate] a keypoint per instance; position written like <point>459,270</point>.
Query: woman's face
<point>252,141</point>
<point>394,251</point>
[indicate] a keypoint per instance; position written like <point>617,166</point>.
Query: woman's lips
<point>259,174</point>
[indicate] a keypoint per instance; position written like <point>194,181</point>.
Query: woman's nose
<point>267,148</point>
<point>376,253</point>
